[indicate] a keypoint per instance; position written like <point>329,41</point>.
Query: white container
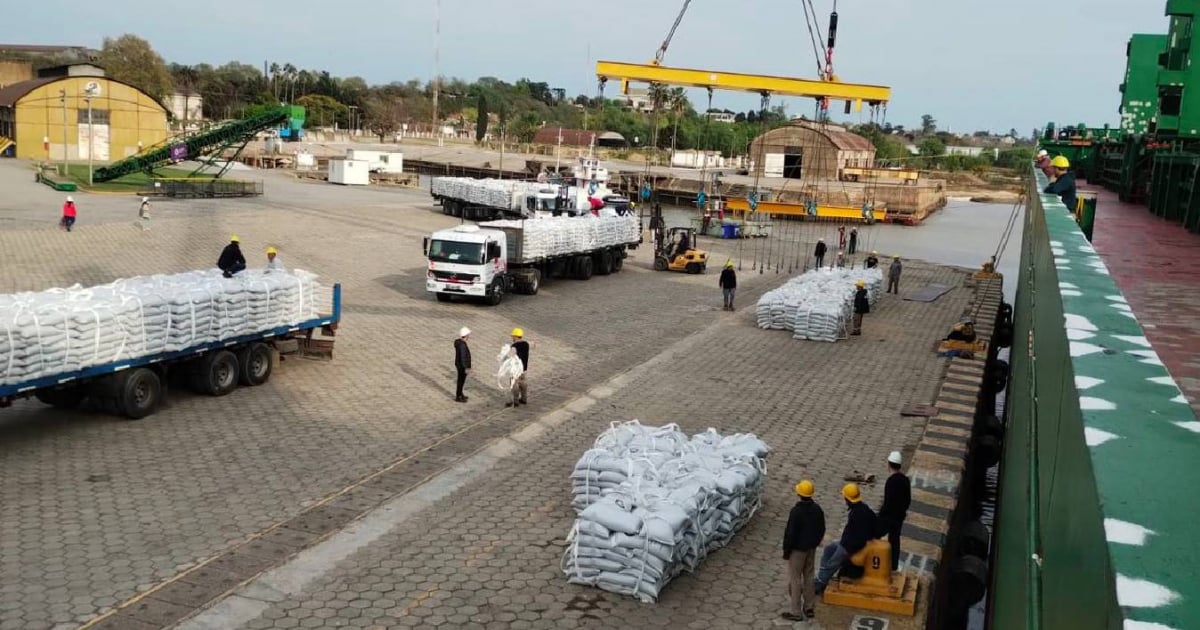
<point>349,172</point>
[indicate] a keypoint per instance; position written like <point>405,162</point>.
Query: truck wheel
<point>139,392</point>
<point>61,398</point>
<point>603,263</point>
<point>618,261</point>
<point>496,295</point>
<point>535,282</point>
<point>693,268</point>
<point>584,265</point>
<point>660,263</point>
<point>442,297</point>
<point>216,373</point>
<point>254,364</point>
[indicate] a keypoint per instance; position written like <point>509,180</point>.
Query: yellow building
<point>46,116</point>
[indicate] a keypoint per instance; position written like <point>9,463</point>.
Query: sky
<point>971,64</point>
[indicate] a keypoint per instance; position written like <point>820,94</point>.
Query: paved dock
<point>371,499</point>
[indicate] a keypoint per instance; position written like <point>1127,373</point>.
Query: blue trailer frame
<point>10,392</point>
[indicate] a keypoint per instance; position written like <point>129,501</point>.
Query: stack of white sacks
<point>494,193</point>
<point>558,236</point>
<point>63,330</point>
<point>817,304</point>
<point>653,503</point>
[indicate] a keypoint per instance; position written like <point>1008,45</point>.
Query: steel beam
<point>734,81</point>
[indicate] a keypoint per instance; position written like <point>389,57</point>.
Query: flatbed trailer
<point>134,388</point>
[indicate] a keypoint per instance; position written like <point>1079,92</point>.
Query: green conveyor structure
<point>195,145</point>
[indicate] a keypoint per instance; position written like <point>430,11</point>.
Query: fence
<point>199,187</point>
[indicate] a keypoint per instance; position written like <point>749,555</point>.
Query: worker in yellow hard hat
<point>519,388</point>
<point>861,527</point>
<point>273,262</point>
<point>862,306</point>
<point>1064,182</point>
<point>231,260</point>
<point>728,284</point>
<point>805,530</point>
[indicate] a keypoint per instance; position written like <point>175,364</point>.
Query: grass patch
<point>131,183</point>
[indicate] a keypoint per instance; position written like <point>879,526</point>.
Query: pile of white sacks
<point>494,193</point>
<point>558,236</point>
<point>817,304</point>
<point>653,503</point>
<point>63,330</point>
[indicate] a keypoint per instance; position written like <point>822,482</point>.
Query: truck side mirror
<point>425,246</point>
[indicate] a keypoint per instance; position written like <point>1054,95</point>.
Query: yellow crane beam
<point>738,82</point>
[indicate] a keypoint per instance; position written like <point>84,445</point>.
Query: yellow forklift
<point>675,250</point>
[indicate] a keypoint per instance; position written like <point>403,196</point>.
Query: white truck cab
<point>467,260</point>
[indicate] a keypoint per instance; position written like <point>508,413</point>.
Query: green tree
<point>1014,158</point>
<point>381,113</point>
<point>481,118</point>
<point>932,147</point>
<point>321,110</point>
<point>928,124</point>
<point>130,58</point>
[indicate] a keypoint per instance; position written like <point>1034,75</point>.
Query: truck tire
<point>618,261</point>
<point>254,364</point>
<point>694,268</point>
<point>584,266</point>
<point>139,393</point>
<point>62,397</point>
<point>496,295</point>
<point>603,263</point>
<point>442,297</point>
<point>216,373</point>
<point>534,283</point>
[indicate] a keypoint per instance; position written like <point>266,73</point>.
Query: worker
<point>144,214</point>
<point>1064,182</point>
<point>897,496</point>
<point>819,253</point>
<point>1043,162</point>
<point>840,261</point>
<point>462,362</point>
<point>872,260</point>
<point>853,241</point>
<point>684,244</point>
<point>894,275</point>
<point>273,262</point>
<point>705,221</point>
<point>963,331</point>
<point>841,237</point>
<point>861,525</point>
<point>862,306</point>
<point>805,530</point>
<point>728,284</point>
<point>519,390</point>
<point>68,214</point>
<point>231,260</point>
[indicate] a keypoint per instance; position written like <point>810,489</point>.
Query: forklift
<point>670,256</point>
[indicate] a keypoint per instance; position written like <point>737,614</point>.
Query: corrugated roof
<point>842,139</point>
<point>11,94</point>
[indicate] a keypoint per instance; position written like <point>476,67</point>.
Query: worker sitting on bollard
<point>861,525</point>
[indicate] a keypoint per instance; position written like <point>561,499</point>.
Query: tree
<point>481,118</point>
<point>932,147</point>
<point>928,124</point>
<point>130,58</point>
<point>381,114</point>
<point>321,110</point>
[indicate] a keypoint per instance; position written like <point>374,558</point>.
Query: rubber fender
<point>997,373</point>
<point>1004,336</point>
<point>975,540</point>
<point>1004,313</point>
<point>968,582</point>
<point>986,449</point>
<point>990,425</point>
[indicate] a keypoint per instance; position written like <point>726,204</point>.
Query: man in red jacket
<point>68,214</point>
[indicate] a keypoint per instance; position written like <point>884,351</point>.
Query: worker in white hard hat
<point>462,362</point>
<point>144,214</point>
<point>273,262</point>
<point>68,214</point>
<point>897,495</point>
<point>1043,161</point>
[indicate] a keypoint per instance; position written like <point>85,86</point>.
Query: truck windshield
<point>456,252</point>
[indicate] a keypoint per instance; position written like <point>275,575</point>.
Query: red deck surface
<point>1156,264</point>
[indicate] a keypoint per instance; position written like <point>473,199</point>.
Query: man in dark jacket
<point>853,245</point>
<point>894,275</point>
<point>1064,182</point>
<point>728,283</point>
<point>805,530</point>
<point>462,362</point>
<point>872,260</point>
<point>231,260</point>
<point>862,306</point>
<point>820,253</point>
<point>897,495</point>
<point>861,526</point>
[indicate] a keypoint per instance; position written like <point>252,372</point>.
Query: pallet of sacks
<point>68,329</point>
<point>560,236</point>
<point>818,304</point>
<point>653,503</point>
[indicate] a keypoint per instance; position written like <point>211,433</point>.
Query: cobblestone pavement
<point>488,554</point>
<point>97,509</point>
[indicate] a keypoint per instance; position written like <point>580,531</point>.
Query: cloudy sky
<point>972,64</point>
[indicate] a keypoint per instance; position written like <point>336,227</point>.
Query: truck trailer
<point>134,386</point>
<point>491,259</point>
<point>496,199</point>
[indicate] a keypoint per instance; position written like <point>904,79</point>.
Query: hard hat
<point>850,493</point>
<point>235,239</point>
<point>518,332</point>
<point>874,253</point>
<point>1060,161</point>
<point>271,250</point>
<point>805,488</point>
<point>729,263</point>
<point>895,458</point>
<point>1042,153</point>
<point>145,199</point>
<point>464,331</point>
<point>860,284</point>
<point>820,240</point>
<point>70,199</point>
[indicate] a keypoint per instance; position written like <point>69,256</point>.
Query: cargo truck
<point>488,260</point>
<point>134,388</point>
<point>492,199</point>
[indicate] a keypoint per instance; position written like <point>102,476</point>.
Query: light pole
<point>62,96</point>
<point>353,125</point>
<point>558,153</point>
<point>91,133</point>
<point>437,67</point>
<point>501,153</point>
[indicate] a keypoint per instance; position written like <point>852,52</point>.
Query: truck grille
<point>449,276</point>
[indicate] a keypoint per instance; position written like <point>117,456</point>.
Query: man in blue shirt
<point>1064,182</point>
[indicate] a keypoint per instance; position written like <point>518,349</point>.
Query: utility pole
<point>91,135</point>
<point>501,169</point>
<point>437,64</point>
<point>62,96</point>
<point>558,153</point>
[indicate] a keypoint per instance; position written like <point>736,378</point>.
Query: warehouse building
<point>47,117</point>
<point>808,150</point>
